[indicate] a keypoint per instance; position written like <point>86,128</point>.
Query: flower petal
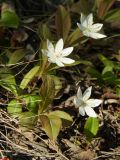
<point>94,102</point>
<point>50,59</point>
<point>76,102</point>
<point>80,27</point>
<point>59,46</point>
<point>96,35</point>
<point>67,51</point>
<point>82,111</point>
<point>96,27</point>
<point>89,20</point>
<point>59,63</point>
<point>50,46</point>
<point>87,33</point>
<point>67,60</point>
<point>82,18</point>
<point>90,112</point>
<point>79,93</point>
<point>87,93</point>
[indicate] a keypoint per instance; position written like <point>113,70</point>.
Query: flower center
<point>57,55</point>
<point>83,104</point>
<point>87,30</point>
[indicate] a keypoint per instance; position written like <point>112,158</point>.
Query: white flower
<point>88,28</point>
<point>85,104</point>
<point>57,54</point>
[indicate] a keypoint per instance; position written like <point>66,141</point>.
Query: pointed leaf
<point>63,22</point>
<point>52,125</point>
<point>112,15</point>
<point>44,32</point>
<point>58,84</point>
<point>103,7</point>
<point>28,119</point>
<point>32,102</point>
<point>16,56</point>
<point>74,37</point>
<point>47,91</point>
<point>61,114</point>
<point>9,19</point>
<point>29,76</point>
<point>14,108</point>
<point>7,80</point>
<point>73,64</point>
<point>91,127</point>
<point>109,65</point>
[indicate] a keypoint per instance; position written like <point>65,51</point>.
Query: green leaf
<point>107,69</point>
<point>63,22</point>
<point>103,7</point>
<point>9,19</point>
<point>57,83</point>
<point>113,15</point>
<point>61,114</point>
<point>7,80</point>
<point>16,56</point>
<point>109,65</point>
<point>116,66</point>
<point>44,32</point>
<point>93,72</point>
<point>32,102</point>
<point>73,64</point>
<point>111,79</point>
<point>29,76</point>
<point>91,127</point>
<point>47,91</point>
<point>52,125</point>
<point>14,108</point>
<point>74,37</point>
<point>105,60</point>
<point>28,120</point>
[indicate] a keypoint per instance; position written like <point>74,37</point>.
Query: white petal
<point>87,93</point>
<point>96,35</point>
<point>82,18</point>
<point>51,59</point>
<point>67,51</point>
<point>79,93</point>
<point>76,102</point>
<point>50,55</point>
<point>89,19</point>
<point>94,102</point>
<point>59,63</point>
<point>80,27</point>
<point>96,27</point>
<point>90,112</point>
<point>59,46</point>
<point>50,46</point>
<point>82,111</point>
<point>67,60</point>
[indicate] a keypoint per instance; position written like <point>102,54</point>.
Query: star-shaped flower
<point>88,28</point>
<point>85,104</point>
<point>57,54</point>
